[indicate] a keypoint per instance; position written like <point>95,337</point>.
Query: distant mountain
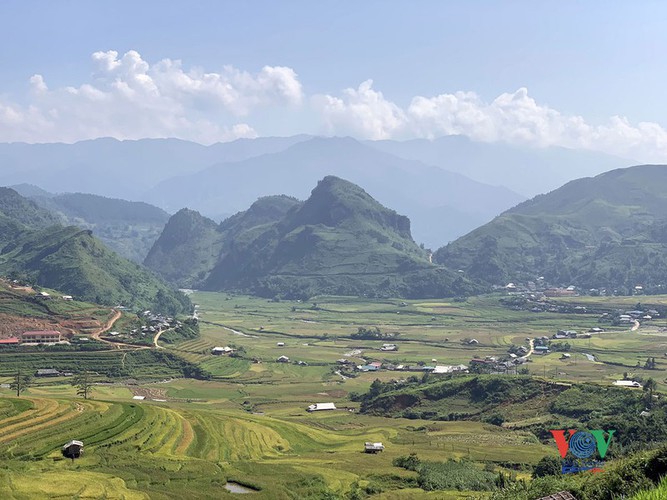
<point>525,170</point>
<point>128,227</point>
<point>20,210</point>
<point>121,169</point>
<point>339,241</point>
<point>444,205</point>
<point>72,260</point>
<point>607,231</point>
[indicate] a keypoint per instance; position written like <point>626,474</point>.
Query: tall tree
<point>649,386</point>
<point>20,383</point>
<point>83,383</point>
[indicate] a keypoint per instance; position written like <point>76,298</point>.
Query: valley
<point>248,422</point>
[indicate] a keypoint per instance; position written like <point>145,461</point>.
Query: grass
<point>249,421</point>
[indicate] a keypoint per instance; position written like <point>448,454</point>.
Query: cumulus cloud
<point>130,98</point>
<point>515,118</point>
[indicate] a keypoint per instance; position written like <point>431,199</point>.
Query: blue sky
<point>582,63</point>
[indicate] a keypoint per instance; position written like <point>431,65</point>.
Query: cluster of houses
<point>378,365</point>
<point>156,322</point>
<point>46,337</point>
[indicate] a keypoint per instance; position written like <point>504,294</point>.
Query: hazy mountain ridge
<point>424,193</point>
<point>605,231</point>
<point>526,170</point>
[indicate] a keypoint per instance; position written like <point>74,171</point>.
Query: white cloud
<point>129,98</point>
<point>515,118</point>
<point>361,112</point>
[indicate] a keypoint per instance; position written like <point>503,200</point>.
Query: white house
<point>322,406</point>
<point>389,347</point>
<point>628,383</point>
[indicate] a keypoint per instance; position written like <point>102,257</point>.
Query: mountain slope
<point>186,250</point>
<point>340,241</point>
<point>424,193</point>
<point>72,260</point>
<point>525,170</point>
<point>606,231</point>
<point>190,244</point>
<point>127,227</point>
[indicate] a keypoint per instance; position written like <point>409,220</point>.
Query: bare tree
<point>20,383</point>
<point>83,383</point>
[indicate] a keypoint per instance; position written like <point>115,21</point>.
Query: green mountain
<point>191,245</point>
<point>127,227</point>
<point>25,212</point>
<point>340,241</point>
<point>187,249</point>
<point>72,260</point>
<point>608,231</point>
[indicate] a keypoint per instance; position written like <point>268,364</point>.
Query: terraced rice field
<point>142,450</point>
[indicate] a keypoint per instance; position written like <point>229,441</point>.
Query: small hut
<point>73,449</point>
<point>373,447</point>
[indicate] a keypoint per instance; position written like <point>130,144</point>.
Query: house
<point>376,364</point>
<point>44,295</point>
<point>565,356</point>
<point>321,407</point>
<point>473,341</point>
<point>41,337</point>
<point>283,359</point>
<point>389,347</point>
<point>280,344</point>
<point>373,447</point>
<point>221,351</point>
<point>9,341</point>
<point>449,369</point>
<point>541,349</point>
<point>73,449</point>
<point>367,368</point>
<point>628,383</point>
<point>67,297</point>
<point>48,372</point>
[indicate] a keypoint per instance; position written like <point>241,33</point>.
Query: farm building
<point>373,447</point>
<point>73,449</point>
<point>283,359</point>
<point>48,372</point>
<point>389,347</point>
<point>281,344</point>
<point>221,351</point>
<point>41,337</point>
<point>541,349</point>
<point>321,407</point>
<point>628,383</point>
<point>9,341</point>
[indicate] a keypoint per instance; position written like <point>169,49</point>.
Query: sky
<point>551,73</point>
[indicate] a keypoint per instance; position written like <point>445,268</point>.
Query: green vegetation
<point>603,232</point>
<point>127,227</point>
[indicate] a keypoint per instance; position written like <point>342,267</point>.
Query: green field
<point>248,422</point>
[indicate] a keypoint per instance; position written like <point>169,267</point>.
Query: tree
<point>84,384</point>
<point>649,386</point>
<point>547,466</point>
<point>20,383</point>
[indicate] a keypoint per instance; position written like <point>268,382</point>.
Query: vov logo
<point>582,445</point>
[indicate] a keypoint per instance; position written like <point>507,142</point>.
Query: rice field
<point>248,423</point>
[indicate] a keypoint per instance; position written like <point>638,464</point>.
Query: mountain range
<point>339,241</point>
<point>448,179</point>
